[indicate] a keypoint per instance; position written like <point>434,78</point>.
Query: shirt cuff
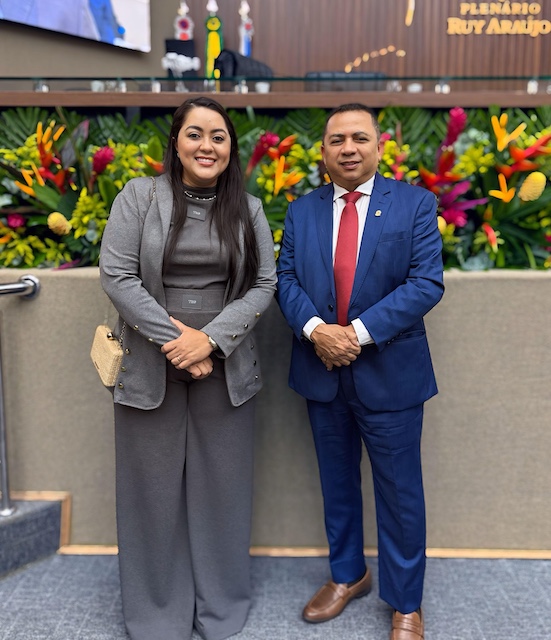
<point>364,337</point>
<point>311,325</point>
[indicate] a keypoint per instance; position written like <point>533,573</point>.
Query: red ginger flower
<point>101,159</point>
<point>456,126</point>
<point>265,141</point>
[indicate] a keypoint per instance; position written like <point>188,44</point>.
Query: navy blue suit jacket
<point>398,280</point>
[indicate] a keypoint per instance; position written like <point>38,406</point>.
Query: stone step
<point>33,531</point>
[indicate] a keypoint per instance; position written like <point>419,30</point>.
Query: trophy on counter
<point>180,60</point>
<point>214,43</point>
<point>246,30</point>
<point>183,24</point>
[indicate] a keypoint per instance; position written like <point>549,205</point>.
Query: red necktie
<point>345,255</point>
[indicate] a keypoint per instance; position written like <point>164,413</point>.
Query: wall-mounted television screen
<point>124,23</point>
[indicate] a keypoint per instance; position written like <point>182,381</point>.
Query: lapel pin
<point>378,213</point>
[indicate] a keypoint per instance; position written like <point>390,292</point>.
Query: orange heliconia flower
<point>503,138</point>
<point>284,180</point>
<point>503,193</point>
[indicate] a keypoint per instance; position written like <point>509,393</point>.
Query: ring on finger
<point>179,359</point>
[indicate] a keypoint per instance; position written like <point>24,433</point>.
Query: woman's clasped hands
<point>191,351</point>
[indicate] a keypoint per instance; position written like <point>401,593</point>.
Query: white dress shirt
<point>362,205</point>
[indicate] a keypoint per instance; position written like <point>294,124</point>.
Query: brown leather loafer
<point>407,626</point>
<point>332,598</point>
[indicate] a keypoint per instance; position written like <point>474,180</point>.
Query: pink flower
<point>101,159</point>
<point>452,209</point>
<point>456,125</point>
<point>15,220</point>
<point>455,217</point>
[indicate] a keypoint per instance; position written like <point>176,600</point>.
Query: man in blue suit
<point>361,359</point>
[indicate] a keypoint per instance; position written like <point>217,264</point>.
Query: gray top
<point>198,261</point>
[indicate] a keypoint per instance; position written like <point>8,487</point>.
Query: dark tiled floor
<point>77,598</point>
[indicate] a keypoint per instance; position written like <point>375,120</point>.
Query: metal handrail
<point>27,287</point>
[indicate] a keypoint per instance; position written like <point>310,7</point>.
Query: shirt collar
<point>366,188</point>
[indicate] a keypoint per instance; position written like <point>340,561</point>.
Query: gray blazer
<point>131,263</point>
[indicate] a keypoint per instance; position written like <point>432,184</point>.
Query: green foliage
<point>58,184</point>
<point>495,233</point>
<point>16,125</point>
<point>307,124</point>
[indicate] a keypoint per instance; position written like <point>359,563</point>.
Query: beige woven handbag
<point>106,354</point>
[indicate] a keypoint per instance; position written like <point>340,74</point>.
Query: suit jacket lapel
<point>324,220</point>
<point>155,232</point>
<point>377,213</point>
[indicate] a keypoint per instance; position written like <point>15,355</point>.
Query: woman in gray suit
<point>187,260</point>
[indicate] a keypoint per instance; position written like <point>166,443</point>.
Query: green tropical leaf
<point>107,189</point>
<point>16,125</point>
<point>47,196</point>
<point>154,148</point>
<point>67,202</point>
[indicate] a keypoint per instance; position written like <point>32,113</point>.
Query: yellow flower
<point>474,159</point>
<point>503,193</point>
<point>503,138</point>
<point>59,224</point>
<point>533,186</point>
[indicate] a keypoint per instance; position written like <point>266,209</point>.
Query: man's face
<point>350,149</point>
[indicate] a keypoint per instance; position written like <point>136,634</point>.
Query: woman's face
<point>204,147</point>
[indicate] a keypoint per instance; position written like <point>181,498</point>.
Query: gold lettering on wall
<point>504,8</point>
<point>521,19</point>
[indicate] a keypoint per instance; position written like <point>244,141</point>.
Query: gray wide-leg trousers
<point>184,493</point>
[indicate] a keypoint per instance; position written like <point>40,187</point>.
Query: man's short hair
<point>354,106</point>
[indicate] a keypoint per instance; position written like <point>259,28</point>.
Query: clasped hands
<point>336,346</point>
<point>191,351</point>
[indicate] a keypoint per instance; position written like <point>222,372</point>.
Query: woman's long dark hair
<point>230,210</point>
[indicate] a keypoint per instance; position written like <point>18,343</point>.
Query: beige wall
<point>486,444</point>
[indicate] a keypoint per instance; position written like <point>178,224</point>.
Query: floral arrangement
<point>490,179</point>
<point>494,206</point>
<point>280,170</point>
<point>56,191</point>
<point>488,169</point>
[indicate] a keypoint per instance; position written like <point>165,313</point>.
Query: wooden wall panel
<point>294,37</point>
<point>297,36</point>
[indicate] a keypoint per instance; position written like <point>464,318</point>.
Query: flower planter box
<point>485,447</point>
